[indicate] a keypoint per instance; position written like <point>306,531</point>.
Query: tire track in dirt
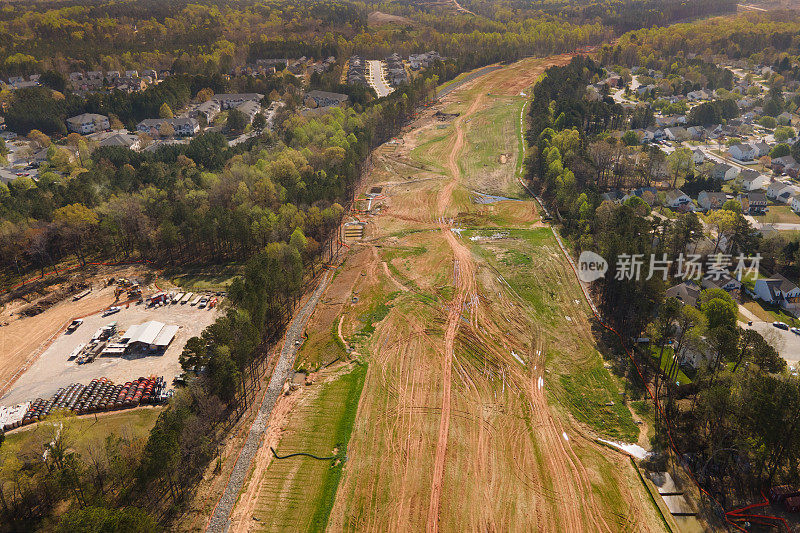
<point>464,273</point>
<point>576,508</point>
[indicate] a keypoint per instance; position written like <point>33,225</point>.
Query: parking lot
<point>53,369</point>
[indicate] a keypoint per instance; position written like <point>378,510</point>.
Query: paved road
<point>377,80</point>
<point>219,520</point>
<point>788,343</point>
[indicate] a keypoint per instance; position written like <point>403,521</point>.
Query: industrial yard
<point>58,366</point>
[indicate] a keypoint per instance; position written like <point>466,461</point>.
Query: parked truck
<point>186,298</point>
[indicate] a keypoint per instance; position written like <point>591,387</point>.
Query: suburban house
<point>677,199</point>
<point>711,200</point>
<point>676,133</point>
<point>227,101</point>
<point>743,152</point>
<point>687,292</point>
<point>750,180</point>
<point>696,133</point>
<point>796,203</point>
<point>122,139</point>
<point>182,126</point>
<point>725,172</point>
<point>778,164</point>
<point>648,194</point>
<point>615,196</point>
<point>777,290</point>
<point>725,282</point>
<point>761,148</point>
<point>695,96</point>
<point>754,203</point>
<point>698,157</point>
<point>423,60</point>
<point>781,191</point>
<point>652,134</point>
<point>326,99</point>
<point>88,123</point>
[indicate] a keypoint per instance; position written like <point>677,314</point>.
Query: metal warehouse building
<point>152,335</point>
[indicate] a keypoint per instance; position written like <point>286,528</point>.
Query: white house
<point>761,148</point>
<point>677,199</point>
<point>698,156</point>
<point>743,152</point>
<point>781,191</point>
<point>725,172</point>
<point>88,123</point>
<point>676,133</point>
<point>796,203</point>
<point>778,290</point>
<point>750,180</point>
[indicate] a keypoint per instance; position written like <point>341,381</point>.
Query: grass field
<point>82,432</point>
<point>491,162</point>
<point>588,390</point>
<point>298,492</point>
<point>217,279</point>
<point>779,214</point>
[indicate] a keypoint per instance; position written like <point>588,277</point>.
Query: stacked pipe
<point>100,395</point>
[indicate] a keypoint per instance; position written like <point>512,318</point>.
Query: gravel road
<point>219,520</point>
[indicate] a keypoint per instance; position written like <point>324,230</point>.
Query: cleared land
<point>22,338</point>
<point>483,387</point>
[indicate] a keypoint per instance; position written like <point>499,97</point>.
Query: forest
<point>735,426</point>
<point>769,38</point>
<point>622,15</point>
<point>272,205</point>
<point>212,37</point>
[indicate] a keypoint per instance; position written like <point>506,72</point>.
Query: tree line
<point>272,205</point>
<point>735,425</point>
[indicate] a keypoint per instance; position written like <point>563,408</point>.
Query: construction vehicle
<point>134,291</point>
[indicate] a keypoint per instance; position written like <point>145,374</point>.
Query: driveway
<point>788,344</point>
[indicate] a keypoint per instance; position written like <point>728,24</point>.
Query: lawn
<point>769,313</point>
<point>83,432</point>
<point>491,162</point>
<point>666,361</point>
<point>297,493</point>
<point>779,214</point>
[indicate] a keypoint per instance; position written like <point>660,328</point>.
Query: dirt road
<point>464,281</point>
